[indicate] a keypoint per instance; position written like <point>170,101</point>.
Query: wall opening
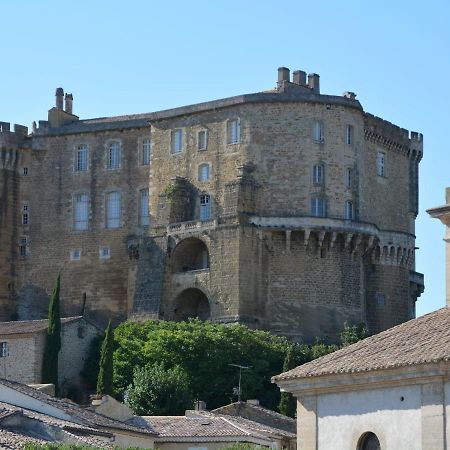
<point>191,303</point>
<point>369,441</point>
<point>190,254</point>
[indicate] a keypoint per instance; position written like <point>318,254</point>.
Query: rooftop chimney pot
<point>283,74</point>
<point>59,98</point>
<point>299,77</point>
<point>68,103</point>
<point>314,83</point>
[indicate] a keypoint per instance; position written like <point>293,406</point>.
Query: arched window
<point>203,172</point>
<point>318,174</point>
<point>349,213</point>
<point>369,441</point>
<point>81,212</point>
<point>113,206</point>
<point>189,255</point>
<point>348,177</point>
<point>205,207</point>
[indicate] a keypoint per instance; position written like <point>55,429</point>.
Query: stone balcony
<point>192,226</point>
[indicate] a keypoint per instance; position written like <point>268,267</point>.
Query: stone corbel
<point>288,241</point>
<point>307,236</point>
<point>321,237</point>
<point>334,237</point>
<point>348,240</point>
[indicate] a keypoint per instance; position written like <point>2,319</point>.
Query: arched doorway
<point>191,303</point>
<point>190,254</point>
<point>369,441</point>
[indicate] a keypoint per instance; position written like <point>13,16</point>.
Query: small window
<point>177,141</point>
<point>144,217</point>
<point>202,140</point>
<point>114,155</point>
<point>233,131</point>
<point>318,132</point>
<point>113,206</point>
<point>369,441</point>
<point>81,212</point>
<point>23,246</point>
<point>4,351</point>
<point>348,213</point>
<point>146,151</point>
<point>25,171</point>
<point>349,135</point>
<point>25,215</point>
<point>381,164</point>
<point>380,299</point>
<point>318,207</point>
<point>81,158</point>
<point>205,207</point>
<point>318,174</point>
<point>203,172</point>
<point>75,255</point>
<point>348,177</point>
<point>104,253</point>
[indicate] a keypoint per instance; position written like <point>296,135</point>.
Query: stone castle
<point>285,210</point>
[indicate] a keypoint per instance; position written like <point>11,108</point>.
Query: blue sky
<point>121,57</point>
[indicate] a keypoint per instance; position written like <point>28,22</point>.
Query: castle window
<point>233,131</point>
<point>176,141</point>
<point>318,174</point>
<point>23,246</point>
<point>349,134</point>
<point>25,216</point>
<point>348,177</point>
<point>113,205</point>
<point>25,171</point>
<point>81,158</point>
<point>203,172</point>
<point>348,213</point>
<point>104,253</point>
<point>4,351</point>
<point>144,217</point>
<point>381,164</point>
<point>318,131</point>
<point>202,140</point>
<point>369,441</point>
<point>114,155</point>
<point>205,207</point>
<point>318,207</point>
<point>146,151</point>
<point>380,299</point>
<point>75,255</point>
<point>81,212</point>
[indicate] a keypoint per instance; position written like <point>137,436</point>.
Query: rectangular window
<point>349,134</point>
<point>75,255</point>
<point>146,151</point>
<point>205,207</point>
<point>4,349</point>
<point>381,164</point>
<point>144,217</point>
<point>203,172</point>
<point>380,299</point>
<point>81,212</point>
<point>348,210</point>
<point>113,206</point>
<point>114,156</point>
<point>318,131</point>
<point>202,140</point>
<point>348,177</point>
<point>81,158</point>
<point>318,207</point>
<point>177,141</point>
<point>25,216</point>
<point>23,246</point>
<point>104,253</point>
<point>233,131</point>
<point>25,171</point>
<point>318,173</point>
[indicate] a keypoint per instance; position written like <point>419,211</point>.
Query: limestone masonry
<point>286,210</point>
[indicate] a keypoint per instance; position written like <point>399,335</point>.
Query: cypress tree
<point>287,405</point>
<point>105,374</point>
<point>53,339</point>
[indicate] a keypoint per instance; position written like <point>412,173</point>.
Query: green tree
<point>353,333</point>
<point>287,405</point>
<point>53,338</point>
<point>105,373</point>
<point>157,391</point>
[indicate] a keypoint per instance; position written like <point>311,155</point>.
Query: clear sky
<point>125,57</point>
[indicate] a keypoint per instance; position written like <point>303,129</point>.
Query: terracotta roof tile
<point>30,326</point>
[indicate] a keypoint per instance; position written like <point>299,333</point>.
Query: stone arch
<point>191,303</point>
<point>369,441</point>
<point>190,254</point>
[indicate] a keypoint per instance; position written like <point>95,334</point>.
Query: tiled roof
<point>10,440</point>
<point>84,415</point>
<point>419,341</point>
<point>30,326</point>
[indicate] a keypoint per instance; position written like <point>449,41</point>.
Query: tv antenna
<point>239,389</point>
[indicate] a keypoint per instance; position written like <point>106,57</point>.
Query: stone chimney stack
<point>313,82</point>
<point>68,103</point>
<point>283,74</point>
<point>59,98</point>
<point>299,77</point>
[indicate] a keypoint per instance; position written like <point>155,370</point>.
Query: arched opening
<point>191,303</point>
<point>190,254</point>
<point>369,441</point>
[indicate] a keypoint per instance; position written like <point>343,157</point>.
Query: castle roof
<point>418,341</point>
<point>31,326</point>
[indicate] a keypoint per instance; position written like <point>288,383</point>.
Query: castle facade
<point>286,210</point>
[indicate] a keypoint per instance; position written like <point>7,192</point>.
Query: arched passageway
<point>369,441</point>
<point>190,254</point>
<point>191,303</point>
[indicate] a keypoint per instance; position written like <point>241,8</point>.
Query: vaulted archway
<point>369,441</point>
<point>191,303</point>
<point>190,254</point>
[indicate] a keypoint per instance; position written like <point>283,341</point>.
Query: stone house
<point>287,210</point>
<point>387,392</point>
<point>22,349</point>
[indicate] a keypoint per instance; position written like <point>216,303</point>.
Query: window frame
<point>318,174</point>
<point>205,207</point>
<point>76,221</point>
<point>174,150</point>
<point>315,206</point>
<point>318,132</point>
<point>4,349</point>
<point>104,255</point>
<point>113,221</point>
<point>144,219</point>
<point>348,177</point>
<point>146,152</point>
<point>381,164</point>
<point>349,134</point>
<point>81,149</point>
<point>115,145</point>
<point>23,246</point>
<point>233,131</point>
<point>74,256</point>
<point>205,146</point>
<point>349,210</point>
<point>25,214</point>
<point>200,174</point>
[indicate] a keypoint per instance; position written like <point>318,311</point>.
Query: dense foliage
<point>53,338</point>
<point>160,392</point>
<point>353,333</point>
<point>105,374</point>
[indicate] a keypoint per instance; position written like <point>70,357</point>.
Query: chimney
<point>253,402</point>
<point>283,74</point>
<point>200,405</point>
<point>313,82</point>
<point>68,103</point>
<point>350,95</point>
<point>59,98</point>
<point>299,77</point>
